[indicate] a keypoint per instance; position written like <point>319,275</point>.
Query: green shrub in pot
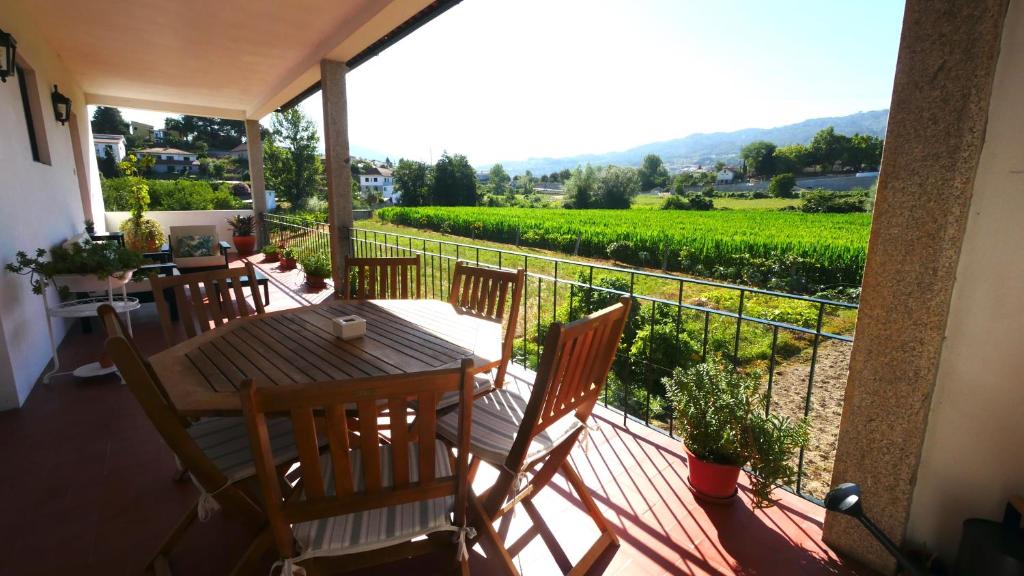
<point>315,264</point>
<point>99,259</point>
<point>721,413</point>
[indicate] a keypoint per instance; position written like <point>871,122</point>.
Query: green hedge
<point>172,195</point>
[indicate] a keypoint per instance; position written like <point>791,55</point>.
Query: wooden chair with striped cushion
<point>381,278</point>
<point>214,451</point>
<point>365,500</point>
<point>205,299</point>
<point>494,294</point>
<point>517,434</point>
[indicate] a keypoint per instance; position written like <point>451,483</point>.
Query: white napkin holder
<point>348,327</point>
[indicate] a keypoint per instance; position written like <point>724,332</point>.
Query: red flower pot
<point>271,258</point>
<point>287,264</point>
<point>716,482</point>
<point>316,283</point>
<point>244,244</point>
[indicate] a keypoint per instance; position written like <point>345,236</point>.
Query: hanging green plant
<point>100,259</point>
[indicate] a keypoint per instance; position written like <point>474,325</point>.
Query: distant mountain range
<point>707,149</point>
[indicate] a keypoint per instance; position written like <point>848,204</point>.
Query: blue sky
<point>511,79</point>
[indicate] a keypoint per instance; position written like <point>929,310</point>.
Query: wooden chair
<point>516,434</point>
<point>363,481</point>
<point>381,278</point>
<point>486,292</point>
<point>214,451</point>
<point>215,296</point>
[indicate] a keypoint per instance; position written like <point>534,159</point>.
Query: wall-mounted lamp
<point>7,49</point>
<point>61,106</point>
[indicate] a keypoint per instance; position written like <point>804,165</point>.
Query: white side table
<point>87,308</point>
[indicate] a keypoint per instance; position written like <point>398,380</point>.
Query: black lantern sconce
<point>61,106</point>
<point>7,49</point>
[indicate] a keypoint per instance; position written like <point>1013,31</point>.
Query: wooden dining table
<point>202,375</point>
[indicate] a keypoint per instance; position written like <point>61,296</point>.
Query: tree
<point>293,166</point>
<point>412,181</point>
<point>864,151</point>
<point>106,120</point>
<point>793,158</point>
<point>454,181</point>
<point>581,189</point>
<point>618,187</point>
<point>526,183</point>
<point>498,179</point>
<point>782,186</point>
<point>108,166</point>
<point>759,156</point>
<point>827,147</point>
<point>216,133</point>
<point>652,173</point>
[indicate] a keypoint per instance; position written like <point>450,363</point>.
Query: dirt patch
<point>789,395</point>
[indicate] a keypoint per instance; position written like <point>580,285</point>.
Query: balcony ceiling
<point>233,59</point>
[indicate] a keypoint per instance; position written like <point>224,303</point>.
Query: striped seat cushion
<point>481,383</point>
<point>496,420</point>
<point>226,442</point>
<point>380,527</point>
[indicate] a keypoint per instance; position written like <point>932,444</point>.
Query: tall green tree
<point>864,151</point>
<point>652,173</point>
<point>582,188</point>
<point>216,133</point>
<point>499,180</point>
<point>412,180</point>
<point>454,181</point>
<point>759,156</point>
<point>292,159</point>
<point>827,147</point>
<point>618,187</point>
<point>107,120</point>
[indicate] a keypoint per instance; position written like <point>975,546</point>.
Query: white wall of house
<point>43,202</point>
<point>971,460</point>
<point>117,149</point>
<point>166,219</point>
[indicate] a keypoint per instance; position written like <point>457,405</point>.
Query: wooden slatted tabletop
<point>202,375</point>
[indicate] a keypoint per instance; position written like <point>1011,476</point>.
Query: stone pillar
<point>339,172</point>
<point>254,143</point>
<point>937,123</point>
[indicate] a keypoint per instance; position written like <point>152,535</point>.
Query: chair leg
<point>488,538</point>
<point>249,562</point>
<point>608,537</point>
<point>158,564</point>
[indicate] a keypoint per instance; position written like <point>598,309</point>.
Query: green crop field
<point>650,201</point>
<point>790,251</point>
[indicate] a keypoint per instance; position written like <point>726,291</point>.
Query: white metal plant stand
<point>87,308</point>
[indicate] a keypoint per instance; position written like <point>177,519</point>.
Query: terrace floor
<point>88,490</point>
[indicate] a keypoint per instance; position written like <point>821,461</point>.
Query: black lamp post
<point>7,49</point>
<point>61,106</point>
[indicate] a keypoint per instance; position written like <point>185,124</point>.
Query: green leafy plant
<point>289,254</point>
<point>270,250</point>
<point>141,234</point>
<point>722,417</point>
<point>315,264</point>
<point>102,259</point>
<point>241,225</point>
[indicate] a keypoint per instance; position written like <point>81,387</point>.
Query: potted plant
<point>271,253</point>
<point>141,234</point>
<point>289,257</point>
<point>78,267</point>
<point>721,413</point>
<point>317,268</point>
<point>241,234</point>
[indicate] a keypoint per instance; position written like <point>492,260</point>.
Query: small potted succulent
<point>78,267</point>
<point>241,234</point>
<point>317,268</point>
<point>724,426</point>
<point>289,258</point>
<point>271,253</point>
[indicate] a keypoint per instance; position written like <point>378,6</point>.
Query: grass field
<point>648,201</point>
<point>790,251</point>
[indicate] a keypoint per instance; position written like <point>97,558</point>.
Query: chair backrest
<point>149,392</point>
<point>195,246</point>
<point>573,369</point>
<point>381,278</point>
<point>359,477</point>
<point>205,297</point>
<point>485,291</point>
<point>115,329</point>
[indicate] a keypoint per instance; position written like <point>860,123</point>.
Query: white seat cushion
<point>481,383</point>
<point>496,420</point>
<point>380,527</point>
<point>226,442</point>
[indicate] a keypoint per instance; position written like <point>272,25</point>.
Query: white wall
<point>974,445</point>
<point>218,218</point>
<point>41,204</point>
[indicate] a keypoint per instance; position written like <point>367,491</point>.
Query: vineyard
<point>791,251</point>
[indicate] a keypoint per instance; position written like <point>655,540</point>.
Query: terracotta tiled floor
<point>87,489</point>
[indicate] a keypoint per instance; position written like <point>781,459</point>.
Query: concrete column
<point>339,172</point>
<point>936,131</point>
<point>254,143</point>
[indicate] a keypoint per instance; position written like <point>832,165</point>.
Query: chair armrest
<point>159,257</point>
<point>224,247</point>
